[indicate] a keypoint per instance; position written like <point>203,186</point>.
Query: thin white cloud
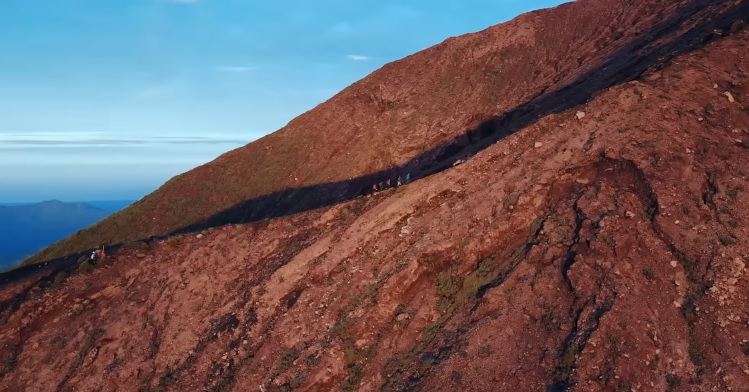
<point>186,1</point>
<point>47,140</point>
<point>233,68</point>
<point>357,57</point>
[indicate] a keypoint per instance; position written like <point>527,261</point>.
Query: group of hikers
<point>382,185</point>
<point>97,255</point>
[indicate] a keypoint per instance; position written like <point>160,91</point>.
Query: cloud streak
<point>357,57</point>
<point>47,140</point>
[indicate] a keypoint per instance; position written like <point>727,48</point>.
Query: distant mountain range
<point>27,228</point>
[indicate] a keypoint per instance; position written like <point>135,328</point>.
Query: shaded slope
<point>396,117</point>
<point>610,257</point>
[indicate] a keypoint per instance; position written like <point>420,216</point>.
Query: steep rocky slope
<point>601,248</point>
<point>420,113</point>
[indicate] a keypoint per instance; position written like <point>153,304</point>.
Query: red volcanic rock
<point>582,253</point>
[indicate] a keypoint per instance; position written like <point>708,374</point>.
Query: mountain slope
<point>601,248</point>
<point>26,229</point>
<point>417,114</point>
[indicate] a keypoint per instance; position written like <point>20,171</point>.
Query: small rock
<point>674,263</point>
<point>716,85</point>
<point>199,236</point>
<point>580,115</point>
<point>401,317</point>
<point>677,222</point>
<point>629,214</point>
<point>739,264</point>
<point>677,304</point>
<point>700,119</point>
<point>729,96</point>
<point>538,144</point>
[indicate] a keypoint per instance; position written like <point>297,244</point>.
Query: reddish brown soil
<point>606,252</point>
<point>414,105</point>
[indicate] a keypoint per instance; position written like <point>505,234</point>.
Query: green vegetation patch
<point>454,294</point>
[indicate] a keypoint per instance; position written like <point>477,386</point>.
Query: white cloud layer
<point>36,140</point>
<point>357,57</point>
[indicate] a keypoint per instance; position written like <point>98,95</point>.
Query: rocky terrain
<point>601,247</point>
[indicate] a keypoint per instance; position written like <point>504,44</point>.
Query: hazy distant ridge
<point>24,229</point>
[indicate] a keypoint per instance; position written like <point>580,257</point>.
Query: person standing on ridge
<point>408,178</point>
<point>398,182</point>
<point>387,183</point>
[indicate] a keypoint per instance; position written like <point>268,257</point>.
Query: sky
<point>108,99</point>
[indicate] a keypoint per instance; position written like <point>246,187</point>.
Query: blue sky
<point>107,99</point>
